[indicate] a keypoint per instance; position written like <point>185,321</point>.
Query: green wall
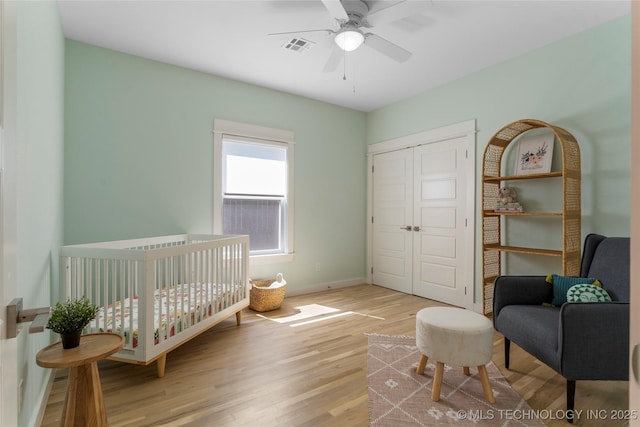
<point>39,108</point>
<point>581,83</point>
<point>139,159</point>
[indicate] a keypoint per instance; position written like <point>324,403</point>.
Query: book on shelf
<point>508,207</point>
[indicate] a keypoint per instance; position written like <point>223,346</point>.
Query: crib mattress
<point>175,309</point>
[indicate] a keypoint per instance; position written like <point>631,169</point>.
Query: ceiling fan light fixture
<point>349,39</point>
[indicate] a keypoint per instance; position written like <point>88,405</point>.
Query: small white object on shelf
<point>508,207</point>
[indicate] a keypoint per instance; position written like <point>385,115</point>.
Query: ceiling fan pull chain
<point>344,65</point>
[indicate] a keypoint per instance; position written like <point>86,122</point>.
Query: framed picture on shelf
<point>534,155</point>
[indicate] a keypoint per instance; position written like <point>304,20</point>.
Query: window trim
<point>269,136</point>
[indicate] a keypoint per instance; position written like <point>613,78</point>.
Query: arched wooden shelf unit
<point>492,241</point>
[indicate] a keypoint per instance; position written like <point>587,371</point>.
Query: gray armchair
<point>580,341</point>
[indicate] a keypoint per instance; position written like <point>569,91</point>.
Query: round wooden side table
<point>83,404</point>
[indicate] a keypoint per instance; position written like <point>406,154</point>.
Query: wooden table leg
<point>84,403</point>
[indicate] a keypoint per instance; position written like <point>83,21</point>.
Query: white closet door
<point>440,197</point>
<point>392,214</point>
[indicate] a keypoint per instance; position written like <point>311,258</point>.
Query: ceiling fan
<point>352,16</point>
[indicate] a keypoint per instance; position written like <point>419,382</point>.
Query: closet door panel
<point>392,214</point>
<point>439,209</point>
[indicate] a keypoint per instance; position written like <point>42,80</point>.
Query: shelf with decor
<point>515,177</point>
<point>523,250</point>
<point>494,213</point>
<point>494,242</point>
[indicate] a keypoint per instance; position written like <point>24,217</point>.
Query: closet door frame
<point>465,129</point>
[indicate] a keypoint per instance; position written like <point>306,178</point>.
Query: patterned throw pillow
<point>587,293</point>
<point>561,285</point>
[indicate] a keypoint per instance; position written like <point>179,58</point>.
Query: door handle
<point>408,228</point>
<point>15,314</point>
<point>416,228</point>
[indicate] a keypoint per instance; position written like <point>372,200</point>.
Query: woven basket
<point>262,298</point>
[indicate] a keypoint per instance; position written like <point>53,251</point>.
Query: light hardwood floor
<point>304,372</point>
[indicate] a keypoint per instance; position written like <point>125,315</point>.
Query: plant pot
<point>71,340</point>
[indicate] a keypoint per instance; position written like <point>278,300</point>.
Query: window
<point>253,186</point>
<point>254,193</point>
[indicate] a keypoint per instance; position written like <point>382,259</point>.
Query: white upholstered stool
<point>455,337</point>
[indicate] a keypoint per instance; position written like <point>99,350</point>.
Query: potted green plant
<point>70,318</point>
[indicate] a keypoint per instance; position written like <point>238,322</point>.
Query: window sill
<point>270,259</point>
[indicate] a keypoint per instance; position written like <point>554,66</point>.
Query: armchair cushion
<point>587,293</point>
<point>561,285</point>
<point>534,328</point>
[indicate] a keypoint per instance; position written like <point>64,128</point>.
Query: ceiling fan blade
<point>302,31</point>
<point>336,9</point>
<point>333,61</point>
<point>387,48</point>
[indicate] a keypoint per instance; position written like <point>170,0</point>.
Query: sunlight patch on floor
<point>303,312</point>
<point>315,313</point>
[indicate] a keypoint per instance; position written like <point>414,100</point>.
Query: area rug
<point>400,397</point>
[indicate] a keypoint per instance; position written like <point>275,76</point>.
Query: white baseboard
<point>43,398</point>
<point>320,287</point>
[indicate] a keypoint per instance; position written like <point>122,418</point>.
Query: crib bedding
<point>175,309</point>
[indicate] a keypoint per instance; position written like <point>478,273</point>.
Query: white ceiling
<point>448,39</point>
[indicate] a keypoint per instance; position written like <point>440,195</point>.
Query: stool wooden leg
<point>465,369</point>
<point>421,364</point>
<point>437,382</point>
<point>486,386</point>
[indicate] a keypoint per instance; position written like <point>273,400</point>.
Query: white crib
<point>158,292</point>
